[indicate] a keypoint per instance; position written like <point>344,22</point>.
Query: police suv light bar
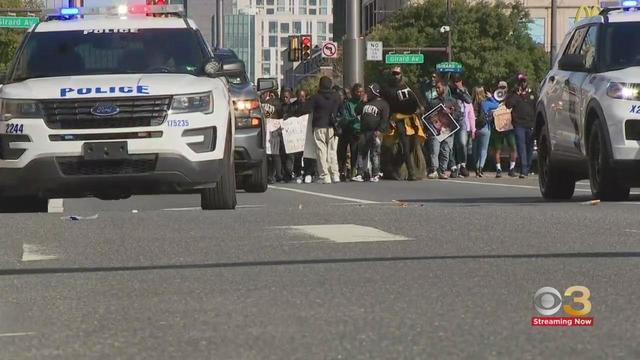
<point>121,10</point>
<point>624,4</point>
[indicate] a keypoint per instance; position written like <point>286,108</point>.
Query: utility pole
<point>353,46</point>
<point>554,30</point>
<point>449,40</point>
<point>219,23</point>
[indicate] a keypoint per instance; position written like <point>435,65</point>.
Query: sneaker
<point>308,179</point>
<point>433,175</point>
<point>522,176</point>
<point>299,180</point>
<point>342,177</point>
<point>375,179</point>
<point>480,173</point>
<point>464,172</point>
<point>454,172</point>
<point>442,176</point>
<point>323,181</point>
<point>357,178</point>
<point>498,174</point>
<point>335,179</point>
<point>512,173</point>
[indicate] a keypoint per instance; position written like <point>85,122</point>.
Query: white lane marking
<point>345,233</point>
<point>360,201</point>
<point>17,334</point>
<point>496,184</point>
<point>632,231</point>
<point>56,206</point>
<point>35,253</point>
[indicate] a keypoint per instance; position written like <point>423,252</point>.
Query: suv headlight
<point>192,103</point>
<point>623,91</point>
<point>19,109</point>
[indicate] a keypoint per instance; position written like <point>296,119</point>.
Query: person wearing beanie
<point>324,108</point>
<point>374,121</point>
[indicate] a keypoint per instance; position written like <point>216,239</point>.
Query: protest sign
<point>294,133</point>
<point>502,118</point>
<point>440,123</point>
<point>273,133</point>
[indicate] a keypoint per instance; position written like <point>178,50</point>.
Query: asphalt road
<point>394,270</point>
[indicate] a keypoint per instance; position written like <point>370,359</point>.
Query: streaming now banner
<point>544,321</point>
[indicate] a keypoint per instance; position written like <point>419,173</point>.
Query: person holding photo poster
<point>440,120</point>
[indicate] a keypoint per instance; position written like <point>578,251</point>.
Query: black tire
<point>24,204</point>
<point>257,181</point>
<point>223,195</point>
<point>554,183</point>
<point>606,183</point>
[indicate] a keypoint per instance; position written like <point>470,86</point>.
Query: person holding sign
<point>440,145</point>
<point>522,103</point>
<point>503,136</point>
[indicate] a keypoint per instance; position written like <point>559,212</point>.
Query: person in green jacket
<point>349,124</point>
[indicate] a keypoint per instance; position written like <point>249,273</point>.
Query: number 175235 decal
<point>178,123</point>
<point>15,129</point>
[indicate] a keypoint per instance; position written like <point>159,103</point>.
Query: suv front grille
<point>134,112</point>
<point>77,166</point>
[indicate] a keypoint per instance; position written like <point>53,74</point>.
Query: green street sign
<point>18,22</point>
<point>404,59</point>
<point>453,67</point>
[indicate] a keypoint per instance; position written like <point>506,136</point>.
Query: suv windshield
<point>66,53</point>
<point>617,56</point>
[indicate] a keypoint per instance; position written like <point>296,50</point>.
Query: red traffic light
<point>306,41</point>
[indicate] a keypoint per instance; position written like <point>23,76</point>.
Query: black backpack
<point>482,118</point>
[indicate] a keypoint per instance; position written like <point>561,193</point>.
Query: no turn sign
<point>329,49</point>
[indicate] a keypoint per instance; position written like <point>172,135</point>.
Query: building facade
<point>375,12</point>
<point>240,35</point>
<point>258,30</point>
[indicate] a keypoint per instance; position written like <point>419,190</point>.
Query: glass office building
<point>240,36</point>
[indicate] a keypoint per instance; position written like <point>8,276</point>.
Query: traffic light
<point>294,48</point>
<point>306,47</point>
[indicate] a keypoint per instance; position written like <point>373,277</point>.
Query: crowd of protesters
<point>366,132</point>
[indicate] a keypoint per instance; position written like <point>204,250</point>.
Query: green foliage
<point>10,38</point>
<point>309,84</point>
<point>489,39</point>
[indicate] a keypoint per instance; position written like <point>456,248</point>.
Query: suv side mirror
<point>572,62</point>
<point>269,84</point>
<point>233,67</point>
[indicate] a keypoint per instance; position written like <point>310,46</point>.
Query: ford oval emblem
<point>105,110</point>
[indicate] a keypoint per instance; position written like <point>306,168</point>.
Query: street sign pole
<point>353,46</point>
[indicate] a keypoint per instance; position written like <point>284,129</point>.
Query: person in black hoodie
<point>405,121</point>
<point>522,103</point>
<point>324,106</point>
<point>374,120</point>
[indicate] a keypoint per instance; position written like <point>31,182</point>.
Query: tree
<point>10,38</point>
<point>309,84</point>
<point>489,39</point>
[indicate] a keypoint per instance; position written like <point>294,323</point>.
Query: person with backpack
<point>484,104</point>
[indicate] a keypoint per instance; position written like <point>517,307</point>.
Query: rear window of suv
<point>68,53</point>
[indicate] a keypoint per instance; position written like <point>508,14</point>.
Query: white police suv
<point>588,116</point>
<point>112,102</point>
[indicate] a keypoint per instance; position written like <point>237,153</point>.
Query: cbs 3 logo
<point>548,301</point>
